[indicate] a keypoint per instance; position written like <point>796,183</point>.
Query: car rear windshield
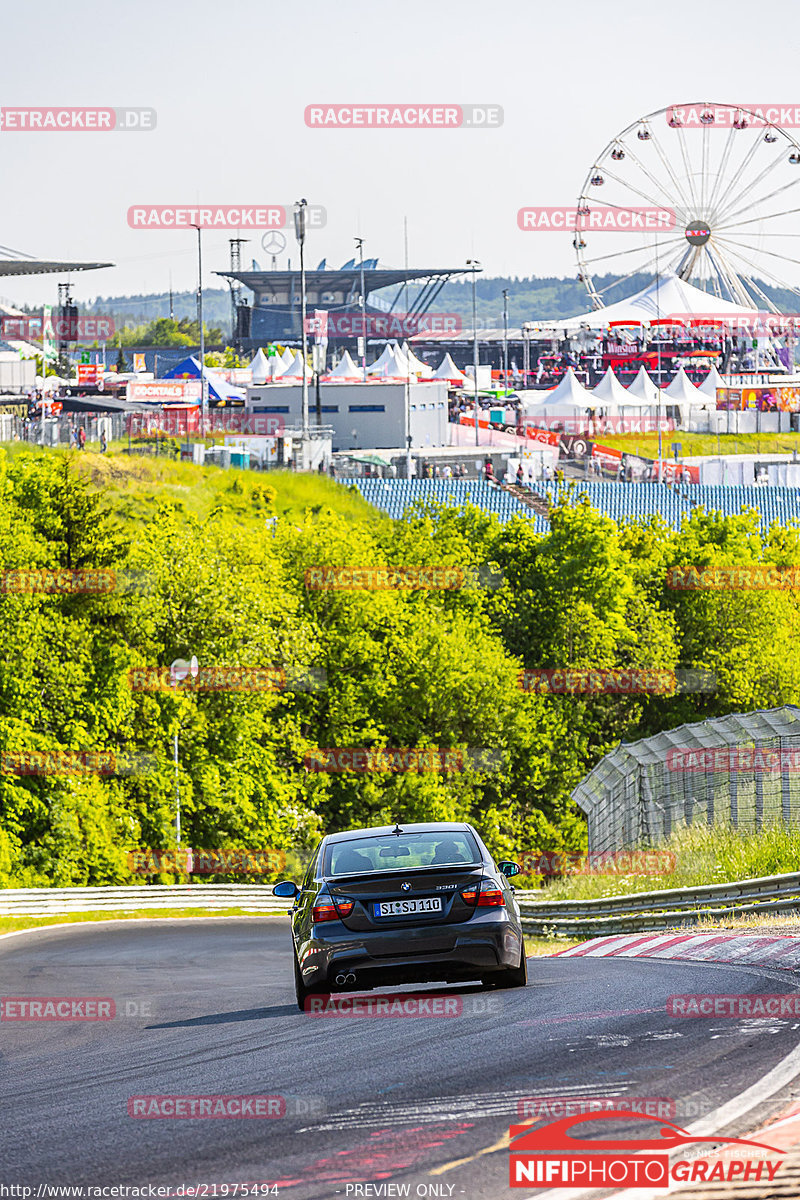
<point>401,852</point>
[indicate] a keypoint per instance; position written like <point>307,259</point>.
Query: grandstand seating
<point>616,500</point>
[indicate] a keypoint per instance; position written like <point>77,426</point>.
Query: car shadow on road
<point>229,1018</point>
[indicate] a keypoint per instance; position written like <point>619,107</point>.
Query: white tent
<point>346,369</point>
<point>712,381</point>
<point>447,369</point>
<point>295,371</point>
<point>668,296</point>
<point>610,391</point>
<point>643,391</point>
<point>259,367</point>
<point>683,391</point>
<point>286,359</point>
<point>397,366</point>
<point>377,368</point>
<point>417,366</point>
<point>570,391</point>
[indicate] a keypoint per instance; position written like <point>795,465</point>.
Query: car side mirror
<point>508,868</point>
<point>287,889</point>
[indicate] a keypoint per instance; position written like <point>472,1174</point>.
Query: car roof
<point>384,830</point>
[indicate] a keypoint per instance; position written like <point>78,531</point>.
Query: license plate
<point>402,908</point>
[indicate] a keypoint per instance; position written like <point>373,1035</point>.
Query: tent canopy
<point>218,388</point>
<point>682,391</point>
<point>260,367</point>
<point>664,297</point>
<point>611,391</point>
<point>346,369</point>
<point>447,369</point>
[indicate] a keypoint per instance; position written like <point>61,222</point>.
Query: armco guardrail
<point>659,909</point>
<point>611,914</point>
<point>42,902</point>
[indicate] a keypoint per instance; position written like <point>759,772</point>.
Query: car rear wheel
<point>516,976</point>
<point>300,990</point>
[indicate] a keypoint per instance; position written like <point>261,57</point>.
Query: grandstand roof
<point>13,262</point>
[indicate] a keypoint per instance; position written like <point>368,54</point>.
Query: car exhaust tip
<point>344,978</point>
<point>340,979</point>
<point>350,978</point>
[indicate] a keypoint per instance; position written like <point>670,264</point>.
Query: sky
<point>230,83</point>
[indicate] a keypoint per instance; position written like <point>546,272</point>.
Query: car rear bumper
<point>489,943</point>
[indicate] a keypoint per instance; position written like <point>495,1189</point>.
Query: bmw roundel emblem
<point>406,887</point>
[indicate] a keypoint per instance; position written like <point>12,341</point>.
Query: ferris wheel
<point>732,179</point>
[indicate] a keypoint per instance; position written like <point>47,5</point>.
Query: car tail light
<point>488,894</point>
<point>331,908</point>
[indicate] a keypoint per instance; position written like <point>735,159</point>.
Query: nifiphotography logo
<point>552,1156</point>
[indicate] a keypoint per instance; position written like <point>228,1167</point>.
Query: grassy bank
<point>701,856</point>
<point>691,444</point>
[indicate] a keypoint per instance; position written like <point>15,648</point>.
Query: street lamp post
<point>363,305</point>
<point>203,381</point>
<point>505,340</point>
<point>180,670</point>
<point>476,266</point>
<point>300,233</point>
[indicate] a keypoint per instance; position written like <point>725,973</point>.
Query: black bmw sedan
<point>421,903</point>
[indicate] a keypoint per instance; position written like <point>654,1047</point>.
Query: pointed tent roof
<point>570,391</point>
<point>397,365</point>
<point>346,369</point>
<point>610,390</point>
<point>447,369</point>
<point>219,389</point>
<point>416,364</point>
<point>295,371</point>
<point>712,381</point>
<point>663,297</point>
<point>643,390</point>
<point>380,362</point>
<point>682,391</point>
<point>260,367</point>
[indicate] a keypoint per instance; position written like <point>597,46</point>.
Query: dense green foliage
<point>217,563</point>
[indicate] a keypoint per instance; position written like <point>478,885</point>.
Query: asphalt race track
<point>370,1100</point>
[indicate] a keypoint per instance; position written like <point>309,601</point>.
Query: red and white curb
<point>740,948</point>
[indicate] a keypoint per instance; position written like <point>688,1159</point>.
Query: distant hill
<point>529,299</point>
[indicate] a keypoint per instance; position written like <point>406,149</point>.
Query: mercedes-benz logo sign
<point>273,242</point>
<point>406,887</point>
